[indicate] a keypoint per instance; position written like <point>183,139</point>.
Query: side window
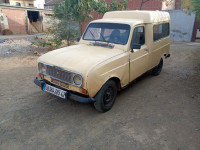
<point>160,31</point>
<point>18,4</point>
<point>138,35</point>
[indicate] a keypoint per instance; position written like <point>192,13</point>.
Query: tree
<point>193,5</point>
<point>69,11</point>
<point>66,28</point>
<point>84,9</point>
<point>101,7</point>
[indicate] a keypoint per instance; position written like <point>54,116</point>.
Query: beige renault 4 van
<point>112,52</point>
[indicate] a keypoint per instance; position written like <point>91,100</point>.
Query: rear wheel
<point>105,98</point>
<point>157,70</point>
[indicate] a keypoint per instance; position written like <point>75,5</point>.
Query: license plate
<point>64,85</point>
<point>55,91</point>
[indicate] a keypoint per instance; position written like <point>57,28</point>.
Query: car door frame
<point>138,59</point>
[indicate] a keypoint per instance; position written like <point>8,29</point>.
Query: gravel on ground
<point>153,113</point>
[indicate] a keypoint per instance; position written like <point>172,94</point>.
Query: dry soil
<point>153,113</point>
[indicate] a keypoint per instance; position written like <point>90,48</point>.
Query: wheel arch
<point>117,81</point>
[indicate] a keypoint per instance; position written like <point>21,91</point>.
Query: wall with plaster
<point>182,24</point>
<point>3,21</point>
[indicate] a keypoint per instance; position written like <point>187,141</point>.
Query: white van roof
<point>146,16</point>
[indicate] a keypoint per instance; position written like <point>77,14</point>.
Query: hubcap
<point>108,96</point>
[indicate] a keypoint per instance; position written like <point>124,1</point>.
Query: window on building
<point>48,7</point>
<point>160,31</point>
<point>138,35</point>
<point>7,1</point>
<point>49,15</point>
<point>18,4</point>
<point>30,5</point>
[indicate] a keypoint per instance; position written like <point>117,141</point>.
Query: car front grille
<point>59,74</point>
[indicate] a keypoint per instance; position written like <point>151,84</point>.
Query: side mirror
<point>135,46</point>
<point>78,39</point>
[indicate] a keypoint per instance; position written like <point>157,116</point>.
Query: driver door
<point>138,57</point>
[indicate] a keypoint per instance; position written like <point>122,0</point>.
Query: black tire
<point>157,70</point>
<point>105,98</point>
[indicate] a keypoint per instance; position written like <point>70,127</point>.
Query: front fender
<point>117,66</point>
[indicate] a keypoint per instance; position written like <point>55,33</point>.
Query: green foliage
<point>101,7</point>
<point>196,7</point>
<point>64,10</point>
<point>48,41</point>
<point>69,11</point>
<point>193,5</point>
<point>115,5</point>
<point>82,10</point>
<point>67,30</point>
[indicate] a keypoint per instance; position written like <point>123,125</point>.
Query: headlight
<point>77,79</point>
<point>42,68</point>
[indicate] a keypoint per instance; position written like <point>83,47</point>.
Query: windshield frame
<point>114,24</point>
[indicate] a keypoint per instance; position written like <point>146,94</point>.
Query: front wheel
<point>105,98</point>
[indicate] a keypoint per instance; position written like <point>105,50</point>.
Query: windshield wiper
<point>92,35</point>
<point>99,44</point>
<point>103,37</point>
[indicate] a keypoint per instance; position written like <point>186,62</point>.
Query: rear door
<point>138,57</point>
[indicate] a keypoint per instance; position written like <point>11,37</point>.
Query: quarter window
<point>138,35</point>
<point>160,31</point>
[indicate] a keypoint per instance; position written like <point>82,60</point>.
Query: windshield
<point>108,32</point>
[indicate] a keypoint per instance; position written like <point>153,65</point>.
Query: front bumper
<point>69,95</point>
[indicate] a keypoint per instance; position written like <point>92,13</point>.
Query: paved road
<point>153,113</point>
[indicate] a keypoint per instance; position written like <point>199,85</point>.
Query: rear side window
<point>160,31</point>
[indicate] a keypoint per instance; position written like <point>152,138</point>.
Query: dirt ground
<point>153,113</point>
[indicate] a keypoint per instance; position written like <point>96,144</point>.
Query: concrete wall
<point>39,4</point>
<point>16,20</point>
<point>181,25</point>
<point>3,22</point>
<point>48,21</point>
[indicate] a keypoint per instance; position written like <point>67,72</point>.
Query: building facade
<point>4,2</point>
<point>23,20</point>
<point>24,3</point>
<point>39,4</point>
<point>50,3</point>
